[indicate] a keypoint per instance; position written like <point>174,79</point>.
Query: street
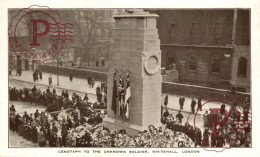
<point>81,87</point>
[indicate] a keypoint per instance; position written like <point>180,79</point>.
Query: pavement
<point>81,86</point>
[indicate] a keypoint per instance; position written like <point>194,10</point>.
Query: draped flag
<point>127,96</point>
<point>121,95</point>
<point>114,94</point>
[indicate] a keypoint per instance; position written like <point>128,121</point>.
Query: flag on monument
<point>127,96</point>
<point>121,95</point>
<point>114,94</point>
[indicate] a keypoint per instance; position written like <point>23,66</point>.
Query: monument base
<point>131,129</point>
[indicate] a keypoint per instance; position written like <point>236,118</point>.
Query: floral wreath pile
<point>97,136</point>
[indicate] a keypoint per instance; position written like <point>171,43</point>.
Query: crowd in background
<point>235,132</point>
<point>51,98</point>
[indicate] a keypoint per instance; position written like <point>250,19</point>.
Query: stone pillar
<point>136,45</point>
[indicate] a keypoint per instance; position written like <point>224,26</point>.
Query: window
<point>192,64</point>
<point>240,89</point>
<point>215,65</point>
<point>218,32</point>
<point>172,31</point>
<point>242,67</point>
<point>194,32</point>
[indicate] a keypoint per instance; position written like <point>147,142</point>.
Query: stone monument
<point>136,46</point>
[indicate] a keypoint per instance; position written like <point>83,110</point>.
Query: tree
<point>87,23</point>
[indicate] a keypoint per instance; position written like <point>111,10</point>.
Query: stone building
<point>208,47</point>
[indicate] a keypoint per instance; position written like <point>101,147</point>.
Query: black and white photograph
<point>144,78</point>
<point>129,78</point>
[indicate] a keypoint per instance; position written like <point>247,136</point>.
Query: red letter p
<point>35,34</point>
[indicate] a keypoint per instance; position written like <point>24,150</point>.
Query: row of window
<point>194,32</point>
<point>216,63</point>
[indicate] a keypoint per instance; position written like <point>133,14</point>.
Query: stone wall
<point>80,73</point>
<point>167,87</point>
<point>200,92</point>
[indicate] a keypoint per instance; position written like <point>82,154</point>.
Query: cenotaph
<point>136,46</point>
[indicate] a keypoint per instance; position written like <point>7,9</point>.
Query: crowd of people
<point>100,60</point>
<point>50,129</point>
<point>220,129</point>
<point>51,98</point>
<point>72,128</point>
<point>18,71</point>
<point>36,75</point>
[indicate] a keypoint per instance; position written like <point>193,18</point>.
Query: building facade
<point>209,47</point>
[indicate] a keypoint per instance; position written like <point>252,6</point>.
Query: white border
<point>255,61</point>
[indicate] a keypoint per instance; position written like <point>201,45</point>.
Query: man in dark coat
<point>25,116</point>
<point>20,71</point>
<point>40,75</point>
<point>36,114</point>
<point>193,104</point>
<point>102,86</point>
<point>181,102</point>
<point>48,90</point>
<point>64,133</point>
<point>34,89</point>
<point>220,140</point>
<point>98,90</point>
<point>17,121</point>
<point>166,101</point>
<point>198,137</point>
<point>99,97</point>
<point>86,98</point>
<point>166,114</point>
<point>199,105</point>
<point>179,116</point>
<point>50,80</point>
<point>92,82</point>
<point>209,118</point>
<point>214,140</point>
<point>53,136</point>
<point>103,61</point>
<point>12,109</point>
<point>222,109</point>
<point>71,77</point>
<point>34,78</point>
<point>66,94</point>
